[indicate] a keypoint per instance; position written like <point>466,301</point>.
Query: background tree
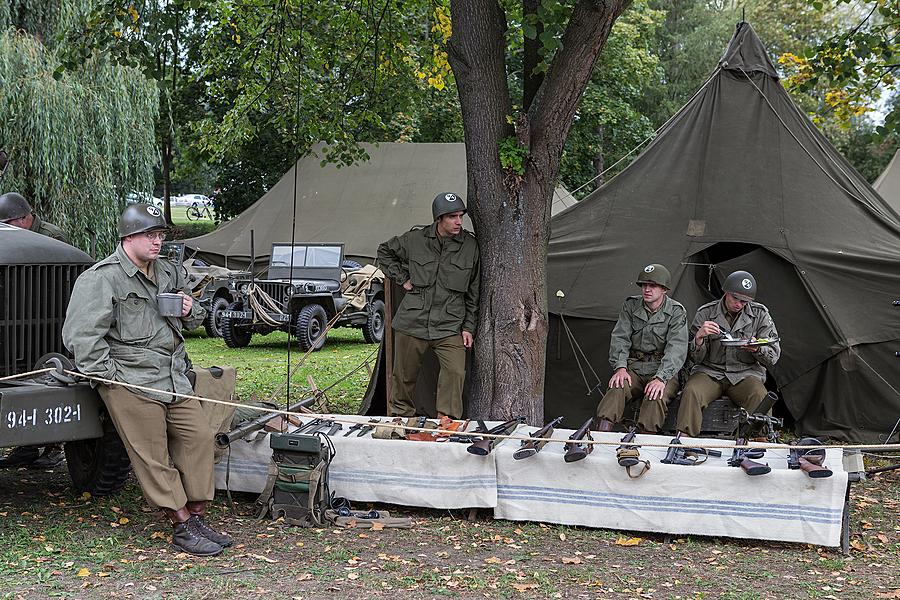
<point>513,159</point>
<point>78,142</point>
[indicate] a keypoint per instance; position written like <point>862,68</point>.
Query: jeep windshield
<point>305,256</point>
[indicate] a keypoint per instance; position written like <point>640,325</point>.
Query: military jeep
<point>211,286</point>
<point>307,286</point>
<point>36,278</point>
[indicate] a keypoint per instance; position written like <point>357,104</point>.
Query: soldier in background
<point>16,211</point>
<point>115,331</point>
<point>439,267</point>
<point>738,372</point>
<point>647,348</point>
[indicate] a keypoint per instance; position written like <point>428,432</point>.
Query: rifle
<point>533,446</point>
<point>223,440</point>
<point>629,456</point>
<point>810,462</point>
<point>484,446</point>
<point>682,455</point>
<point>575,451</point>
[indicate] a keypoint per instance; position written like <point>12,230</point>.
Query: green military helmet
<point>139,218</point>
<point>657,274</point>
<point>13,206</point>
<point>741,285</point>
<point>445,203</point>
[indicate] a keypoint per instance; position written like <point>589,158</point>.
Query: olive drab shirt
<point>650,344</point>
<point>445,275</point>
<point>114,329</point>
<point>49,229</point>
<point>734,363</point>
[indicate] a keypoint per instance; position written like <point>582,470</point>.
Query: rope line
<point>448,432</point>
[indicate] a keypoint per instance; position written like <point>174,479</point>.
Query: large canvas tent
<point>888,183</point>
<point>739,178</point>
<point>361,205</point>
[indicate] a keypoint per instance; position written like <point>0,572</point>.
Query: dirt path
<point>55,544</point>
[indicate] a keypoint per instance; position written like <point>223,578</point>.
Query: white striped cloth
<point>710,499</point>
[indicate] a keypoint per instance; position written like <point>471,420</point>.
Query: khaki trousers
<point>653,412</point>
<point>408,354</point>
<point>701,389</point>
<point>157,436</point>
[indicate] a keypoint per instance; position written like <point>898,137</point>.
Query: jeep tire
<point>100,465</point>
<point>311,323</point>
<point>373,330</point>
<point>236,332</point>
<point>211,323</point>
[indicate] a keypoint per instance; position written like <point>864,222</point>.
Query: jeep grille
<point>34,300</point>
<point>275,289</point>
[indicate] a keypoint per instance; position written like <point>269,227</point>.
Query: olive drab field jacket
<point>114,329</point>
<point>734,363</point>
<point>650,344</point>
<point>49,229</point>
<point>445,277</point>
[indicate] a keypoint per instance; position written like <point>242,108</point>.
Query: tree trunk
<point>511,213</point>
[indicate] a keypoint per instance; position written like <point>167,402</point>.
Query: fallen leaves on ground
<point>624,541</point>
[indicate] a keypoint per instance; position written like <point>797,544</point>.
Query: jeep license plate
<point>236,314</point>
<point>281,318</point>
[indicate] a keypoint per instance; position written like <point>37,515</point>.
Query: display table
<point>426,474</point>
<point>708,499</point>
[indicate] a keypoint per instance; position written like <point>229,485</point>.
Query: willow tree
<point>79,142</point>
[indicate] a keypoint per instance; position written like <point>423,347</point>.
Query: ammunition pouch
<point>297,486</point>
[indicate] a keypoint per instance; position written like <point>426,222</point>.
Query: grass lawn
<point>262,367</point>
<point>54,543</point>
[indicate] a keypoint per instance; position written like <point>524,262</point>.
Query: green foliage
<point>259,82</point>
<point>610,119</point>
<point>857,64</point>
<point>78,142</point>
<point>512,155</point>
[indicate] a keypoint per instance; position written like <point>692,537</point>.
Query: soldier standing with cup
<point>117,331</point>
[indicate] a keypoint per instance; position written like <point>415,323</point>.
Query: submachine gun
<point>484,446</point>
<point>576,451</point>
<point>745,458</point>
<point>810,462</point>
<point>683,455</point>
<point>533,446</point>
<point>629,456</point>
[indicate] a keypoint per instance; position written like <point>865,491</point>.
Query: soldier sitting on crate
<point>647,349</point>
<point>720,368</point>
<point>439,267</point>
<point>115,331</point>
<point>16,211</point>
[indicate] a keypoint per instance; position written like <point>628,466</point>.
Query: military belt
<point>637,355</point>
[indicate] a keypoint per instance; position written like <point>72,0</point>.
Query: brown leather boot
<point>604,425</point>
<point>198,511</point>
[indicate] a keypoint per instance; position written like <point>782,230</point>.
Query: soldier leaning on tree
<point>439,268</point>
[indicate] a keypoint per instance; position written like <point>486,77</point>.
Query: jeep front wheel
<point>99,466</point>
<point>310,328</point>
<point>373,330</point>
<point>213,322</point>
<point>236,332</point>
